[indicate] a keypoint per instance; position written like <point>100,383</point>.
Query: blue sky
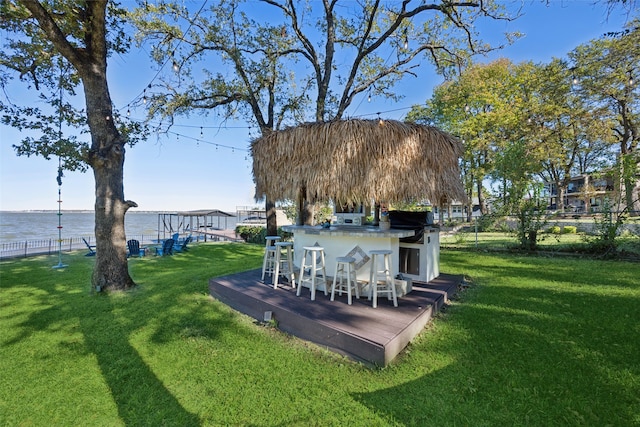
<point>168,173</point>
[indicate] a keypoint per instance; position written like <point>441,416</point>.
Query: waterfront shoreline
<point>21,226</point>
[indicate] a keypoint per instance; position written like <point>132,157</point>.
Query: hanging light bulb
<point>128,112</point>
<point>176,68</point>
<point>406,40</point>
<point>144,99</point>
<point>369,98</point>
<point>201,134</point>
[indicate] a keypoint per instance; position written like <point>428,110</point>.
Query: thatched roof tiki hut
<point>357,161</point>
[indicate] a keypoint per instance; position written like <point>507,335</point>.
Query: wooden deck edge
<point>300,326</point>
<point>330,336</point>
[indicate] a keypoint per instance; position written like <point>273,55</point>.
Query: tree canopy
<point>307,61</point>
<point>565,117</point>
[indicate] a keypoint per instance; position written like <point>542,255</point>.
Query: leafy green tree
<point>55,47</point>
<point>572,134</point>
<point>306,61</point>
<point>606,72</point>
<point>260,87</point>
<point>516,166</point>
<point>482,108</point>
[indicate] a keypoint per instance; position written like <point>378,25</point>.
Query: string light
<point>406,40</point>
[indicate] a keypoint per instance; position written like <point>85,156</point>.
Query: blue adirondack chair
<point>183,246</point>
<point>92,248</point>
<point>166,249</point>
<point>134,248</point>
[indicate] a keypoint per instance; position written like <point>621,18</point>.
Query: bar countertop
<point>348,231</point>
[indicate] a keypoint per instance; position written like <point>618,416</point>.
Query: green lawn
<point>533,341</point>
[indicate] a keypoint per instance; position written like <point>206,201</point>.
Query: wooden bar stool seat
<point>312,259</point>
<point>344,278</point>
<point>376,275</point>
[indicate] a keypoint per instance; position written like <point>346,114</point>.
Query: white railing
<point>50,246</point>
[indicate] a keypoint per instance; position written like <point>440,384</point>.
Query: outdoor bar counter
<point>354,241</point>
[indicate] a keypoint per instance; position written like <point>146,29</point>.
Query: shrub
<point>251,233</point>
<point>257,234</point>
<point>569,229</point>
<point>492,222</point>
<point>554,230</point>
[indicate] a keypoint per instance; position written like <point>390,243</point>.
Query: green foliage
<point>260,56</point>
<point>569,229</point>
<point>251,233</point>
<point>605,72</point>
<point>29,57</point>
<point>257,234</point>
<point>322,212</point>
<point>607,230</point>
<point>525,122</point>
<point>530,221</point>
<point>492,222</point>
<point>555,229</point>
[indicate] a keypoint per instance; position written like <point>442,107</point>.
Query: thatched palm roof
<point>358,161</point>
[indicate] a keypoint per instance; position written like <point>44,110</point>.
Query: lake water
<point>22,226</point>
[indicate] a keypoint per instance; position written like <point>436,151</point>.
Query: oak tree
<point>307,61</point>
<point>55,47</point>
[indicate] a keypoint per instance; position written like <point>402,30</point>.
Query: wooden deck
<point>372,336</point>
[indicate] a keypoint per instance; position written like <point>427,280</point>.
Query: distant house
<point>457,211</point>
<point>585,193</point>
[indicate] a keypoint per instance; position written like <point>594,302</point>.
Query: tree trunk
<point>481,200</point>
<point>111,269</point>
<point>106,158</point>
<point>300,206</point>
<point>630,167</point>
<point>561,190</point>
<point>308,211</point>
<point>272,221</point>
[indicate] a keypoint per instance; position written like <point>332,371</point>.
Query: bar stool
<point>269,261</point>
<point>283,263</point>
<point>345,269</point>
<point>375,288</point>
<point>314,268</point>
